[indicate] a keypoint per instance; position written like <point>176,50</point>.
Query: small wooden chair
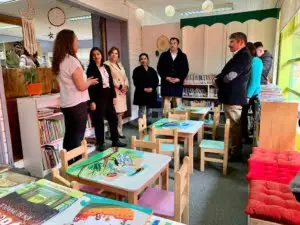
<point>57,178</point>
<point>216,147</point>
<point>149,146</point>
<point>67,156</point>
<point>171,205</point>
<point>169,145</point>
<point>143,129</point>
<point>210,126</point>
<point>178,115</point>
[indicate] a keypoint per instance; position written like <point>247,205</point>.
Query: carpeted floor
<point>214,199</point>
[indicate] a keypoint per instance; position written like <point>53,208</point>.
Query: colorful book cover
<point>10,181</point>
<point>110,165</point>
<point>92,210</point>
<point>35,203</point>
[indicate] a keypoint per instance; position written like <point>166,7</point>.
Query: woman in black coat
<point>101,99</point>
<point>145,81</point>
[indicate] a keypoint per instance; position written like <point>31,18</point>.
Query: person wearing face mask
<point>172,67</point>
<point>145,81</point>
<point>102,97</point>
<point>73,85</point>
<point>121,85</point>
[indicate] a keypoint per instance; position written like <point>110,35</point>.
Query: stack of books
<point>50,155</point>
<point>271,93</point>
<point>195,79</point>
<point>51,130</point>
<point>44,112</point>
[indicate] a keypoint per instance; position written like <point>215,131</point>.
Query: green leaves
<point>30,76</point>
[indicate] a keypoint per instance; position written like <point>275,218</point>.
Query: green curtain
<point>227,18</point>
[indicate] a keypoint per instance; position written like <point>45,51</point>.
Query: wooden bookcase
<point>30,131</point>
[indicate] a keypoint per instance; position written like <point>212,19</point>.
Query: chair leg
<point>186,215</point>
<point>202,162</point>
<point>225,164</point>
<point>185,147</point>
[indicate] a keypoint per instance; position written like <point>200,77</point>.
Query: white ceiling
<point>82,28</point>
<point>157,7</point>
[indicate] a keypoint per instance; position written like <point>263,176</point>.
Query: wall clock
<point>162,43</point>
<point>56,17</point>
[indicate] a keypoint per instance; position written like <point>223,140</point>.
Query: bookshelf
<point>42,131</point>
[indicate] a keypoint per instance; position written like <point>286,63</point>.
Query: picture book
<point>10,181</point>
<point>92,210</point>
<point>110,165</point>
<point>34,203</point>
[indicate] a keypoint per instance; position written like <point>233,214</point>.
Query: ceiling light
<point>9,27</point>
<point>79,18</point>
<point>170,10</point>
<point>7,1</point>
<point>207,6</point>
<point>139,13</point>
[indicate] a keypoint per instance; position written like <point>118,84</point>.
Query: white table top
<point>136,170</point>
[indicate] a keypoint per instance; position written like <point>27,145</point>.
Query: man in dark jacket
<point>267,60</point>
<point>173,67</point>
<point>232,83</point>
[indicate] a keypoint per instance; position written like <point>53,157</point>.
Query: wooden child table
<point>200,112</point>
<point>186,129</point>
<point>122,171</point>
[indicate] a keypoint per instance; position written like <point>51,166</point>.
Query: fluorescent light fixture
<point>9,27</point>
<point>7,1</point>
<point>79,18</point>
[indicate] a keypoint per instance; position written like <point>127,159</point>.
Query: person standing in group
<point>232,83</point>
<point>73,85</point>
<point>253,91</point>
<point>173,68</point>
<point>267,60</point>
<point>145,81</point>
<point>121,85</point>
<point>102,96</point>
<point>29,61</point>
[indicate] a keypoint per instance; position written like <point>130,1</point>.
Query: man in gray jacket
<point>267,60</point>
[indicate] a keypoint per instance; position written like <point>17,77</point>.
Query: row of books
<point>48,111</point>
<point>195,79</point>
<point>51,130</point>
<point>199,92</point>
<point>50,156</point>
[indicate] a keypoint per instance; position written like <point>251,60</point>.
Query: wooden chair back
<point>217,113</point>
<point>149,146</point>
<point>170,137</point>
<point>178,115</point>
<point>142,125</point>
<point>197,104</point>
<point>66,156</point>
<point>226,137</point>
<point>182,192</point>
<point>57,178</point>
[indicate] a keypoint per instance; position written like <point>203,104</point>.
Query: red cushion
<point>273,202</point>
<point>275,166</point>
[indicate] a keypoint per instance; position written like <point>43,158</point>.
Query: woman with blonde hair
<point>121,85</point>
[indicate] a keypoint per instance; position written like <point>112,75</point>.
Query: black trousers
<point>105,109</point>
<point>75,125</point>
<point>254,103</point>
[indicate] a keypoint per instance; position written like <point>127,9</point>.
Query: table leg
<point>191,152</point>
<point>165,179</point>
<point>200,134</point>
<point>132,198</point>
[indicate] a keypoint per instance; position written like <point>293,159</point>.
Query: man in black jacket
<point>232,84</point>
<point>173,67</point>
<point>267,60</point>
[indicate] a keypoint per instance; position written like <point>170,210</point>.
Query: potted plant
<point>31,77</point>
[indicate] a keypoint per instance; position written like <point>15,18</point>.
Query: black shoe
<point>122,136</point>
<point>100,147</point>
<point>118,144</point>
<point>236,158</point>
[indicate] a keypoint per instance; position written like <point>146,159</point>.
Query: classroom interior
<point>193,183</point>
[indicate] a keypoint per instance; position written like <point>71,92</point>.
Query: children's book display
<point>92,210</point>
<point>10,181</point>
<point>36,203</point>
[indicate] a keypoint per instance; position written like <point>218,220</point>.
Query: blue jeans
<point>145,109</point>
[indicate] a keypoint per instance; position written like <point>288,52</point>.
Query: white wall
<point>289,9</point>
<point>150,35</point>
<point>206,47</point>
